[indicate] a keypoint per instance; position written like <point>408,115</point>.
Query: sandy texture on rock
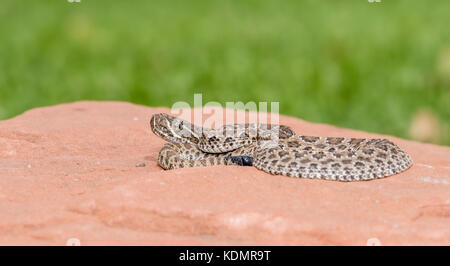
<point>69,171</point>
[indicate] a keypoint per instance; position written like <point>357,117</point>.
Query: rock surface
<point>87,172</point>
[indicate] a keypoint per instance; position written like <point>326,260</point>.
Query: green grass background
<point>351,63</point>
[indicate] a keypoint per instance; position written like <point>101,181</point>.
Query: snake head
<point>173,129</point>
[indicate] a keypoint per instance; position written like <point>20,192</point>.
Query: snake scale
<point>276,149</point>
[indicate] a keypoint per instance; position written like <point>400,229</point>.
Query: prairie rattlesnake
<point>276,149</point>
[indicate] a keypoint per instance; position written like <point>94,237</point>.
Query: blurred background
<point>379,67</point>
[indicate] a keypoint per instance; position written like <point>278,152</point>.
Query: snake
<point>277,150</point>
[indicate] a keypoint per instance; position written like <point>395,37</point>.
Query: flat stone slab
<point>86,173</point>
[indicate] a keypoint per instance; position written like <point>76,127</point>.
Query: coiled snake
<point>276,149</point>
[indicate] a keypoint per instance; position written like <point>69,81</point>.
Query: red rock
<point>68,173</point>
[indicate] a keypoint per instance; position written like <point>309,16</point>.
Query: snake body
<point>276,149</point>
